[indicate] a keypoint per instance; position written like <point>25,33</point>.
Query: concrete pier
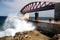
<point>49,26</point>
<point>57,11</point>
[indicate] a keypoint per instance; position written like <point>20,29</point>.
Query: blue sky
<point>5,9</point>
<point>14,6</point>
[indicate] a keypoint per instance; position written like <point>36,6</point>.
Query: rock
<point>27,35</point>
<point>56,37</point>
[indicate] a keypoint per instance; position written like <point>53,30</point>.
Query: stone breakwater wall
<point>48,27</point>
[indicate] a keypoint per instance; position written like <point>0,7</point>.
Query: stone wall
<point>48,27</point>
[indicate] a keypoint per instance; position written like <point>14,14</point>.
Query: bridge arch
<point>38,6</point>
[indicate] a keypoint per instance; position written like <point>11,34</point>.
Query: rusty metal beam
<point>31,7</point>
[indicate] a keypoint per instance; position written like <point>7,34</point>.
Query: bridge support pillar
<point>57,12</point>
<point>36,16</point>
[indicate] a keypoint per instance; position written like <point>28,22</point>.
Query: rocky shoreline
<point>30,35</point>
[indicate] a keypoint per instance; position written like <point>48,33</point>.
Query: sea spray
<point>15,23</point>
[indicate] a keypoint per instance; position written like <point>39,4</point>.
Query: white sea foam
<point>15,23</point>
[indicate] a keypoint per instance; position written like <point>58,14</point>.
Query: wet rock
<point>27,35</point>
<point>6,38</point>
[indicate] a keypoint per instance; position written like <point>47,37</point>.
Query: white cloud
<point>17,5</point>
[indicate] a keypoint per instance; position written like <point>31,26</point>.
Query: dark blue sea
<point>3,18</point>
<point>42,18</point>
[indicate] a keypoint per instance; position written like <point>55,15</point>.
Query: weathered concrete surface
<point>51,27</point>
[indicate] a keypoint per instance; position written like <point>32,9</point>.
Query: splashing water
<point>15,23</point>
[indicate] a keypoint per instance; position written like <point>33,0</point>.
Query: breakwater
<point>49,28</point>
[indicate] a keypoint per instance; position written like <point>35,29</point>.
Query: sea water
<point>15,23</point>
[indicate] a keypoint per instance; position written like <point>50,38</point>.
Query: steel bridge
<point>50,27</point>
<point>38,6</point>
